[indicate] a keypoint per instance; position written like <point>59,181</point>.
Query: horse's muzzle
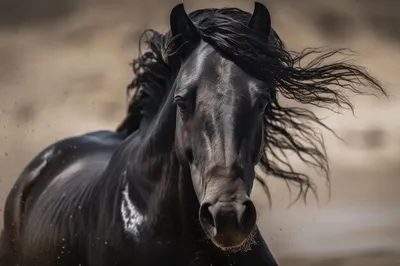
<point>228,224</point>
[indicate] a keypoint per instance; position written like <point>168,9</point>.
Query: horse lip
<point>226,245</point>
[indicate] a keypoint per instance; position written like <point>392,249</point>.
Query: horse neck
<point>152,168</point>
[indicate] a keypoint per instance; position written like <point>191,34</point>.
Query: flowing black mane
<point>287,129</point>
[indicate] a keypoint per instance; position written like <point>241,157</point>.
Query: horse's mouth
<point>235,242</point>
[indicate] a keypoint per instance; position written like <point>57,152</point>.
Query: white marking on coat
<point>131,216</point>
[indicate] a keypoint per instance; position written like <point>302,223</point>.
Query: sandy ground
<point>64,68</point>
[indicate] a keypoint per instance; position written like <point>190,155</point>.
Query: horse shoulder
<point>44,167</point>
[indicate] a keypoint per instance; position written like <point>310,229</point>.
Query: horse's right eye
<point>181,103</point>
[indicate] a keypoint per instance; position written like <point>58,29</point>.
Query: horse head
<point>219,130</point>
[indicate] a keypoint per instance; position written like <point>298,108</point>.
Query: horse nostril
<point>228,221</point>
<point>206,217</point>
<point>248,216</point>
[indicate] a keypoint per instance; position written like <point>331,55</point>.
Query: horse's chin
<point>234,245</point>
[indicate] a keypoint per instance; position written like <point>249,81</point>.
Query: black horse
<point>172,185</point>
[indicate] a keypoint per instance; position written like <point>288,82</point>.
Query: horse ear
<point>180,22</point>
<point>261,19</point>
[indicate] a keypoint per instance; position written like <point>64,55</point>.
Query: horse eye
<point>181,103</point>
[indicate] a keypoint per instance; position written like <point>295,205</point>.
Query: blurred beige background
<point>64,69</point>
